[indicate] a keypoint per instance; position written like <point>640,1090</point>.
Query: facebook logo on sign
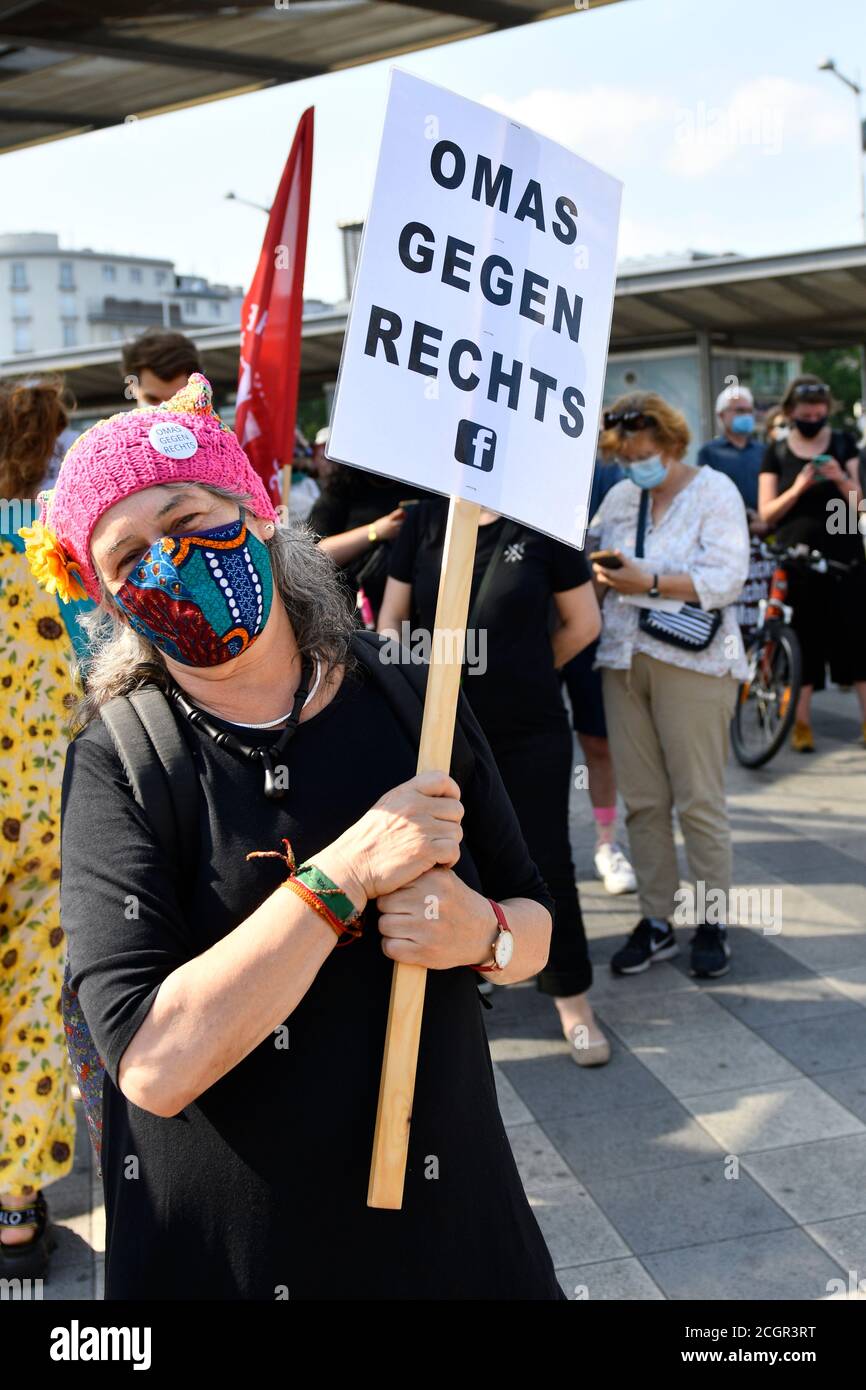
<point>476,445</point>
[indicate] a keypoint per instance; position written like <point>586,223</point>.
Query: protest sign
<point>474,358</point>
<point>473,365</point>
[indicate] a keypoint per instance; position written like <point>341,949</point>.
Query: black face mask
<point>809,428</point>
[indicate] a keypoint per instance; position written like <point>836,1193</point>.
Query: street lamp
<point>235,197</point>
<point>829,65</point>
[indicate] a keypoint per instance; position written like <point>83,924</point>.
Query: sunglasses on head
<point>812,391</point>
<point>627,420</point>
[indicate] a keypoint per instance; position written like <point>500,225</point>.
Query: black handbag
<point>690,627</point>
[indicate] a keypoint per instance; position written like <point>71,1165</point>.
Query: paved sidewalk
<point>722,1152</point>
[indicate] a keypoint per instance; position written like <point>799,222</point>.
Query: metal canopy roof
<point>807,299</point>
<point>800,300</point>
<point>67,68</point>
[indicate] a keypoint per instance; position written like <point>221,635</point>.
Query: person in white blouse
<point>669,694</point>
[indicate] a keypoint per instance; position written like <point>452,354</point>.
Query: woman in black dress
<point>514,650</point>
<point>242,1050</point>
<point>809,494</point>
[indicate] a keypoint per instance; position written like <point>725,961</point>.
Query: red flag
<point>271,322</point>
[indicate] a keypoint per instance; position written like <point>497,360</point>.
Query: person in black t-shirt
<point>511,682</point>
<point>809,493</point>
<point>358,515</point>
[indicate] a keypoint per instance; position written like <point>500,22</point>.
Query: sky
<point>711,112</point>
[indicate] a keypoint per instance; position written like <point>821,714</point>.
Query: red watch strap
<point>503,926</point>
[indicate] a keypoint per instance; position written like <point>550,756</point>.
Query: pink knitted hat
<point>183,440</point>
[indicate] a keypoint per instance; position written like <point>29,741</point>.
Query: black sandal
<point>29,1259</point>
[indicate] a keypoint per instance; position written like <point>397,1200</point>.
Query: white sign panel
<point>474,358</point>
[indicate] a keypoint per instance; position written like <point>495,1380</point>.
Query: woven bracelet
<point>340,903</point>
<point>347,932</point>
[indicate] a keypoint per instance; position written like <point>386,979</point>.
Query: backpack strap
<point>161,772</point>
<point>642,511</point>
<point>404,685</point>
<point>159,765</point>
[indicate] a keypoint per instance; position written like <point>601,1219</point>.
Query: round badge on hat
<point>171,440</point>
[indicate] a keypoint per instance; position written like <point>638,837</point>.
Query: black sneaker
<point>646,944</point>
<point>711,952</point>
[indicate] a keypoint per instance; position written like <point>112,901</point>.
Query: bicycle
<point>767,699</point>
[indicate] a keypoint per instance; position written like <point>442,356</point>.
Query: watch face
<point>504,949</point>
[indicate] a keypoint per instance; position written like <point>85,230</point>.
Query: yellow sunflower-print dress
<point>38,635</point>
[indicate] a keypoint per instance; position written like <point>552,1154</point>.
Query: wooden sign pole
<point>397,1084</point>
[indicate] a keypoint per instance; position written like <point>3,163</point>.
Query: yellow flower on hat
<point>51,566</point>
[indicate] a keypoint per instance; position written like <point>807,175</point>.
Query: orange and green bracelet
<point>313,887</point>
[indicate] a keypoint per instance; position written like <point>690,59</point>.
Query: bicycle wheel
<point>767,702</point>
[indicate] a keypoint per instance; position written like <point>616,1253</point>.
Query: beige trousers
<point>668,732</point>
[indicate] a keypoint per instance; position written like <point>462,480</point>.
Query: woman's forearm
<point>213,1010</point>
<point>772,509</point>
<point>678,586</point>
<point>348,545</point>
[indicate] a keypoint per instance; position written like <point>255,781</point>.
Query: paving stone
<point>851,983</point>
<point>573,1225</point>
<point>778,1265</point>
<point>759,1003</point>
<point>657,1018</point>
<point>814,1182</point>
<point>676,1207</point>
<point>775,1115</point>
<point>511,1107</point>
<point>845,1241</point>
<point>848,1087</point>
<point>538,1162</point>
<point>609,1280</point>
<point>711,1062</point>
<point>822,1044</point>
<point>553,1086</point>
<point>636,1140</point>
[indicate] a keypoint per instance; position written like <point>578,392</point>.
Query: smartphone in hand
<point>608,559</point>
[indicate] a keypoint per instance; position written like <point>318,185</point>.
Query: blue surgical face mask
<point>743,424</point>
<point>649,472</point>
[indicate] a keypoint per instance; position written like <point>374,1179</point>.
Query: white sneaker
<point>614,870</point>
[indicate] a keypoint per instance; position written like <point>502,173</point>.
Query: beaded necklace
<point>269,758</point>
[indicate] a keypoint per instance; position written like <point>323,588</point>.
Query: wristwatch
<point>503,947</point>
<point>653,591</point>
<point>372,535</point>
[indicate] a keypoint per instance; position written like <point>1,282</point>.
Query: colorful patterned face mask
<point>203,598</point>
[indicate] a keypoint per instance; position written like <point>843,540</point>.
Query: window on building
<point>215,309</point>
<point>20,305</point>
<point>67,275</point>
<point>19,275</point>
<point>68,307</point>
<point>70,333</point>
<point>109,273</point>
<point>190,308</point>
<point>23,337</point>
<point>135,274</point>
<point>159,277</point>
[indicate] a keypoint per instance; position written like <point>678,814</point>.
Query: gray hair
<point>119,660</point>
